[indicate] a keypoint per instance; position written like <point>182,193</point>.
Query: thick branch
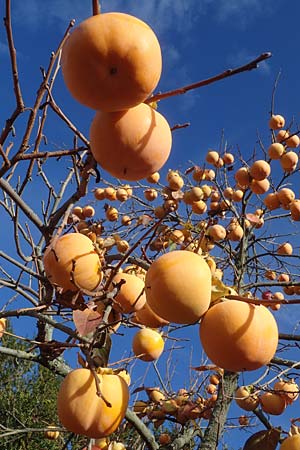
<point>217,421</point>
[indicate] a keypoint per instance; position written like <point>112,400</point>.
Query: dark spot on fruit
<point>125,170</point>
<point>113,70</point>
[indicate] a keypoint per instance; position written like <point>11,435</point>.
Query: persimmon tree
<point>92,264</point>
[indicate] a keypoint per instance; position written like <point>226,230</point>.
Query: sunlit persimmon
<point>88,211</point>
<point>216,232</point>
<point>150,194</point>
<point>110,193</point>
<point>282,135</point>
<point>288,389</point>
<point>212,157</point>
<point>153,178</point>
<point>286,196</point>
<point>272,201</point>
<point>82,411</point>
<point>99,194</point>
<point>199,207</point>
<point>130,296</point>
<point>3,324</point>
<point>246,337</point>
<point>272,403</point>
<point>178,286</point>
<point>291,443</point>
<point>276,150</point>
<point>246,399</point>
<point>122,194</point>
<point>237,195</point>
<point>193,195</point>
<point>228,192</point>
<point>147,317</point>
<point>276,122</point>
<point>289,161</point>
<point>132,144</point>
<point>293,141</point>
<point>294,207</point>
<point>174,180</point>
<point>260,186</point>
<point>121,58</point>
<point>260,170</point>
<point>285,249</point>
<point>228,158</point>
<point>112,214</point>
<point>242,177</point>
<point>147,344</point>
<point>72,263</point>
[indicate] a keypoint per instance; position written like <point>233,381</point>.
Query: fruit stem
<point>96,7</point>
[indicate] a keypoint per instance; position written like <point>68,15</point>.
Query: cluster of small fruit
<point>182,407</point>
<point>274,402</point>
<point>112,63</point>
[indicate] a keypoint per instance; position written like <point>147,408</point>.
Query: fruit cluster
<point>112,63</point>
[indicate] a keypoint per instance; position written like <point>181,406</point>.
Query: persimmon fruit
<point>178,286</point>
<point>239,336</point>
<point>72,263</point>
<point>147,344</point>
<point>130,296</point>
<point>111,61</point>
<point>82,411</point>
<point>131,145</point>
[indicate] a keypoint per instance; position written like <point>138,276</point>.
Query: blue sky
<point>199,38</point>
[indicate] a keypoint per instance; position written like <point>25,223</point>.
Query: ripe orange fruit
<point>178,286</point>
<point>2,326</point>
<point>212,157</point>
<point>272,403</point>
<point>289,161</point>
<point>147,344</point>
<point>239,336</point>
<point>293,141</point>
<point>245,399</point>
<point>277,121</point>
<point>72,263</point>
<point>291,443</point>
<point>88,211</point>
<point>272,201</point>
<point>282,135</point>
<point>131,144</point>
<point>260,170</point>
<point>286,196</point>
<point>294,207</point>
<point>228,158</point>
<point>288,389</point>
<point>153,178</point>
<point>276,150</point>
<point>285,249</point>
<point>147,317</point>
<point>82,411</point>
<point>111,61</point>
<point>216,232</point>
<point>242,177</point>
<point>130,296</point>
<point>174,180</point>
<point>260,186</point>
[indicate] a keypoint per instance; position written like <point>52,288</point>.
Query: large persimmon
<point>131,144</point>
<point>72,263</point>
<point>178,286</point>
<point>239,336</point>
<point>111,61</point>
<point>291,443</point>
<point>82,411</point>
<point>147,344</point>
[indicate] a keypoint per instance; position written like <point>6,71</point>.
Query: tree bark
<point>217,421</point>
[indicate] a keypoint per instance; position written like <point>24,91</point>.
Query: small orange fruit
<point>276,122</point>
<point>147,344</point>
